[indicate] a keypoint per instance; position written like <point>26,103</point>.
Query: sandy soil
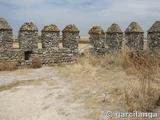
<point>46,99</point>
<point>45,94</point>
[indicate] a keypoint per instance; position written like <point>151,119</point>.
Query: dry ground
<point>82,91</point>
<point>43,94</point>
<point>46,94</point>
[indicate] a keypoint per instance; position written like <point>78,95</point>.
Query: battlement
<point>28,40</point>
<point>51,53</point>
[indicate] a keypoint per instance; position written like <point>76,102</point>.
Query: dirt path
<point>41,97</point>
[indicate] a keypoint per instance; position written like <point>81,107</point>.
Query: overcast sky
<point>82,13</point>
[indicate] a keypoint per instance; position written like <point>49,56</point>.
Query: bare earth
<point>38,100</point>
<point>43,94</point>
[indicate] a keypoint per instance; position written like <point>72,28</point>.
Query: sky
<point>83,13</point>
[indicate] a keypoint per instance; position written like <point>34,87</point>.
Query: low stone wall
<point>15,55</point>
<point>59,56</point>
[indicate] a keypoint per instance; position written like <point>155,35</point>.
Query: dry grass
<point>95,81</point>
<point>140,96</point>
<point>128,76</point>
<point>8,66</point>
<point>109,61</point>
<point>36,63</point>
<point>143,93</point>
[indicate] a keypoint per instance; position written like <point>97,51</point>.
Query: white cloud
<point>83,13</point>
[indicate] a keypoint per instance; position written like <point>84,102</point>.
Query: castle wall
<point>135,40</point>
<point>51,53</point>
<point>97,40</point>
<point>154,36</point>
<point>70,37</point>
<point>6,39</point>
<point>134,36</point>
<point>98,43</point>
<point>55,57</point>
<point>154,41</point>
<point>114,41</point>
<point>50,36</point>
<point>70,40</point>
<point>28,40</point>
<point>114,38</point>
<point>50,39</point>
<point>15,55</point>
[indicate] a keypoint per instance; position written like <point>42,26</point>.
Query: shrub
<point>8,65</point>
<point>36,62</point>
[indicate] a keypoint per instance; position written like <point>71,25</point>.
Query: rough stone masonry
<point>70,37</point>
<point>154,36</point>
<point>28,36</point>
<point>50,36</point>
<point>52,53</point>
<point>28,44</point>
<point>134,36</point>
<point>97,40</point>
<point>114,37</point>
<point>6,34</point>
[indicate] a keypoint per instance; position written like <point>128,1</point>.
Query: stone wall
<point>154,36</point>
<point>114,37</point>
<point>134,36</point>
<point>6,34</point>
<point>15,55</point>
<point>70,37</point>
<point>28,39</point>
<point>97,40</point>
<point>51,53</point>
<point>59,56</point>
<point>50,36</point>
<point>28,36</point>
